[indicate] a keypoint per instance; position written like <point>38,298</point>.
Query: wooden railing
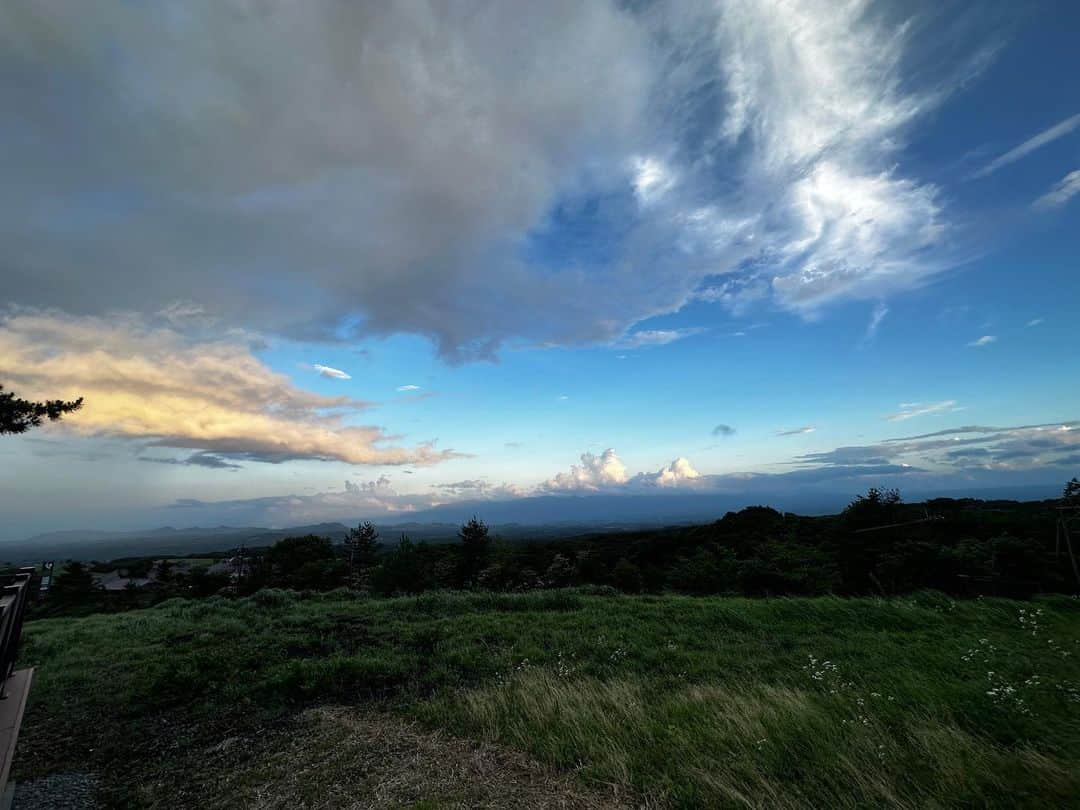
<point>13,598</point>
<point>14,686</point>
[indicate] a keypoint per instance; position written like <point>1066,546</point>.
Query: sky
<point>329,261</point>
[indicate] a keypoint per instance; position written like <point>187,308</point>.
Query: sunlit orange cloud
<point>152,383</point>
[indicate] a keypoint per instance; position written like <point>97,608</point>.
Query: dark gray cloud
<point>964,448</point>
<point>291,167</point>
<point>208,460</point>
<point>723,430</point>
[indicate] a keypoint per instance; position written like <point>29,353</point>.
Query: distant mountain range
<point>538,518</point>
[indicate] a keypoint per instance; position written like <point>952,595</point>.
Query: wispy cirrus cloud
<point>331,373</point>
<point>150,383</point>
<point>409,387</point>
<point>1049,135</point>
<point>909,410</point>
<point>658,337</point>
<point>985,340</point>
<point>796,431</point>
<point>1063,191</point>
<point>876,317</point>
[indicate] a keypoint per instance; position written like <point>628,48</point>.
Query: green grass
<point>686,702</point>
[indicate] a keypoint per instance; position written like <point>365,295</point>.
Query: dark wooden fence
<point>14,685</point>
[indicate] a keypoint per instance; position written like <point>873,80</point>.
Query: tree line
<point>878,545</point>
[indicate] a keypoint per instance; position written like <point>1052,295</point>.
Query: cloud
<point>332,373</point>
<point>594,473</point>
<point>380,485</point>
<point>652,179</point>
<point>1034,322</point>
<point>965,449</point>
<point>1063,191</point>
<point>1058,130</point>
<point>357,500</point>
<point>985,340</point>
<point>657,337</point>
<point>150,383</point>
<point>876,317</point>
<point>402,182</point>
<point>909,410</point>
<point>208,460</point>
<point>480,489</point>
<point>678,474</point>
<point>409,387</point>
<point>796,431</point>
<point>723,430</point>
<point>958,458</point>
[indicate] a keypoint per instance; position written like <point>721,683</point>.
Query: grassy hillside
<point>678,701</point>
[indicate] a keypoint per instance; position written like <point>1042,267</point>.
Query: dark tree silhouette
<point>19,415</point>
<point>474,548</point>
<point>402,569</point>
<point>74,584</point>
<point>1071,494</point>
<point>362,547</point>
<point>306,562</point>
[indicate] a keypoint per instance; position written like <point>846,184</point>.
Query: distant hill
<point>98,545</point>
<point>538,518</point>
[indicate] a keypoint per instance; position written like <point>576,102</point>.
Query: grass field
<point>667,701</point>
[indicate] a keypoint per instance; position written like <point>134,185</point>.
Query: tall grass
<point>907,702</point>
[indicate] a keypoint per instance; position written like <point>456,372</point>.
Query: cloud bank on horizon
<point>983,455</point>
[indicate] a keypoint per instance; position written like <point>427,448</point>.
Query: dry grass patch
<point>340,757</point>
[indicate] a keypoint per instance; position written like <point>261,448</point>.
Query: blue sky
<point>579,248</point>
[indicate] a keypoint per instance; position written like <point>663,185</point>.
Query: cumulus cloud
<point>909,410</point>
<point>796,431</point>
<point>389,185</point>
<point>596,472</point>
<point>151,383</point>
<point>1049,135</point>
<point>679,473</point>
<point>723,430</point>
<point>1063,191</point>
<point>332,373</point>
<point>985,340</point>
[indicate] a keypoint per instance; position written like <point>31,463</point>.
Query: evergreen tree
<point>402,570</point>
<point>362,547</point>
<point>19,415</point>
<point>1071,494</point>
<point>74,584</point>
<point>475,543</point>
